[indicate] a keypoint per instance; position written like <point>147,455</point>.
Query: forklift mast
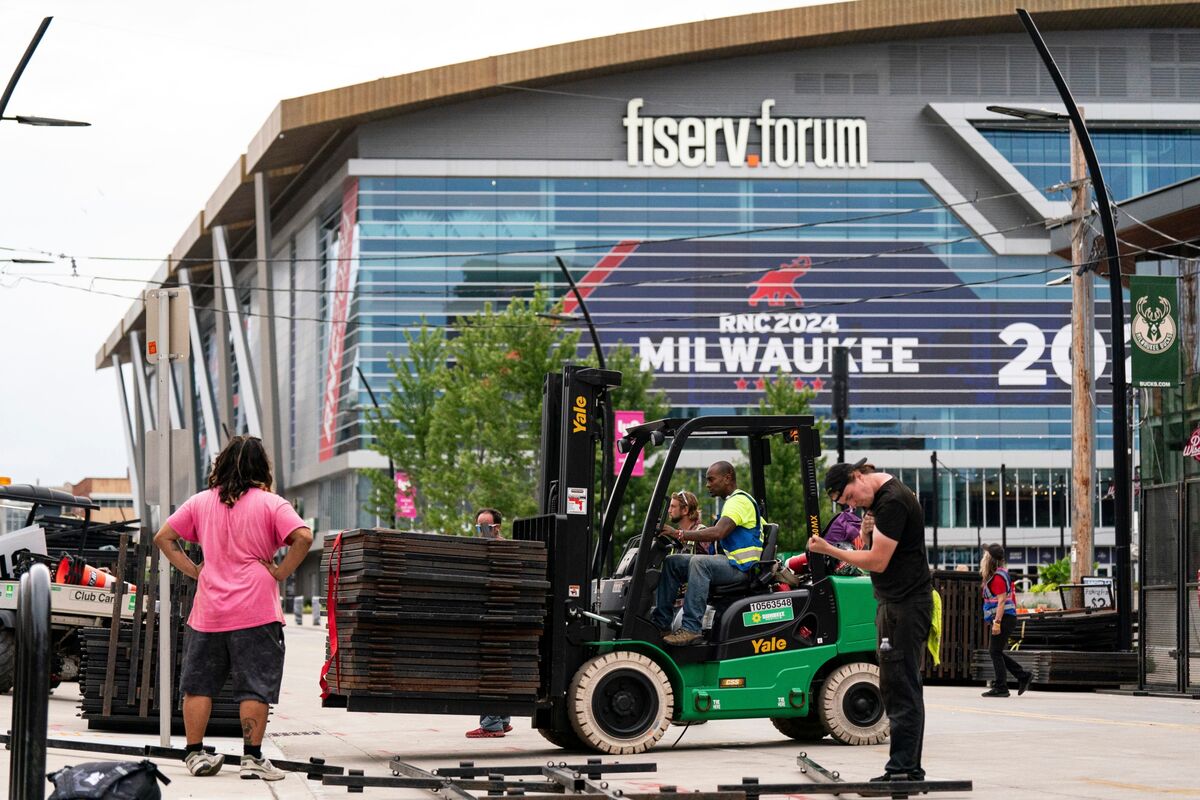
<point>575,419</point>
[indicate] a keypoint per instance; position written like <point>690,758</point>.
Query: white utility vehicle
<point>60,542</point>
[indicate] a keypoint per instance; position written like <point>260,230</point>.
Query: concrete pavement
<point>1044,744</point>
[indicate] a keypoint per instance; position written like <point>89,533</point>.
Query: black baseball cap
<point>839,475</point>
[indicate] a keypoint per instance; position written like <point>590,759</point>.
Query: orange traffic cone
<point>84,575</point>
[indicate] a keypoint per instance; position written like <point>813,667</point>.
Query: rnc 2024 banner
<point>714,319</point>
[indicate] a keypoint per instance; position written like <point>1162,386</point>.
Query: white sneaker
<point>260,769</point>
<point>201,762</point>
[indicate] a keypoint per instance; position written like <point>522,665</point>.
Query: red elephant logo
<point>777,286</point>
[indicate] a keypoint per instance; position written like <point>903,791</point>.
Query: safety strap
<point>1016,645</point>
<point>335,572</point>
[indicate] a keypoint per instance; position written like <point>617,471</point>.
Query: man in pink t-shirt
<point>236,624</point>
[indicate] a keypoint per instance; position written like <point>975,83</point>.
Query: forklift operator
<point>738,534</point>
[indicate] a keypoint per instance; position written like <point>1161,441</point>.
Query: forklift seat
<point>758,578</point>
<point>760,573</point>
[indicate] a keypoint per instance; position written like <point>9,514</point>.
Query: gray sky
<point>174,92</point>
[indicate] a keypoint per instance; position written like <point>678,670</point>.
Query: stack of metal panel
<point>1068,648</point>
<point>128,712</point>
<point>1064,668</point>
<point>1075,630</point>
<point>424,615</point>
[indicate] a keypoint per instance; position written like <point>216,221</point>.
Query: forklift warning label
<point>577,500</point>
<point>768,611</point>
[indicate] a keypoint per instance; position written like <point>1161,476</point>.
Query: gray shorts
<point>251,657</point>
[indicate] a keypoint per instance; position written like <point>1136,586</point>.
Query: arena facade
<point>735,198</point>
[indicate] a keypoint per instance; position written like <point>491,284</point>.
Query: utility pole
<point>1083,360</point>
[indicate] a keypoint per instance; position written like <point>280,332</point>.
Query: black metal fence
<point>1169,603</point>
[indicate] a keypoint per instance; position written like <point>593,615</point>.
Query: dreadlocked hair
<point>240,466</point>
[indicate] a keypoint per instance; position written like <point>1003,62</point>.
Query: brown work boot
<point>682,637</point>
<point>782,574</point>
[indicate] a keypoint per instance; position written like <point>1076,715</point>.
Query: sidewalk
<point>1044,744</point>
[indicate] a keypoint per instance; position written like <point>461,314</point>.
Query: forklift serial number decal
<point>768,611</point>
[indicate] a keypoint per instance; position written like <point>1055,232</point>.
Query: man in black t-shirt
<point>904,593</point>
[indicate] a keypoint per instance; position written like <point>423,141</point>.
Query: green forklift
<point>803,658</point>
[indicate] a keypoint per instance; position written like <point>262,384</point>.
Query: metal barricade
<point>31,691</point>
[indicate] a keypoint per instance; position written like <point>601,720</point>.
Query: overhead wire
<point>696,277</point>
<point>640,320</point>
<point>637,320</point>
<point>924,245</point>
<point>600,246</point>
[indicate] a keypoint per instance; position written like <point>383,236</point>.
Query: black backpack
<point>108,780</point>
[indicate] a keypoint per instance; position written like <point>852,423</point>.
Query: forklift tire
<point>802,729</point>
<point>620,703</point>
<point>566,739</point>
<point>8,659</point>
<point>850,705</point>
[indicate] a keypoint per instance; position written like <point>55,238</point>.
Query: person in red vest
<point>1000,614</point>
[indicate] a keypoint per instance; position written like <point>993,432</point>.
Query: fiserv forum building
<point>736,197</point>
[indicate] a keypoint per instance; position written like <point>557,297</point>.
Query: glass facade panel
<point>1133,161</point>
<point>730,282</point>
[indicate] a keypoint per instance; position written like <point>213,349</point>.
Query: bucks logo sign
<point>1153,326</point>
<point>1154,331</point>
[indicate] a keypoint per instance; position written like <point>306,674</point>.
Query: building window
<point>1135,161</point>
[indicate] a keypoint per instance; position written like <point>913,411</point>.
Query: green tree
<point>401,427</point>
<point>484,429</point>
<point>785,489</point>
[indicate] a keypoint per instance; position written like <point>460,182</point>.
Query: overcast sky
<point>174,92</point>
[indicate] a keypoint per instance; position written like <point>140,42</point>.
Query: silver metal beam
<point>176,400</point>
<point>224,386</point>
<point>266,307</point>
<point>143,420</point>
<point>136,355</point>
<point>163,440</point>
<point>187,394</point>
<point>131,438</point>
<point>247,382</point>
<point>203,382</point>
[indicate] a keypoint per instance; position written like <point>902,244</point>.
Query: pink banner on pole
<point>622,421</point>
<point>406,497</point>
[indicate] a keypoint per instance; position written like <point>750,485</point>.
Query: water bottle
<point>885,645</point>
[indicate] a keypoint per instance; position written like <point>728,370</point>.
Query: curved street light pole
<point>45,122</point>
<point>583,307</point>
<point>1120,421</point>
<point>16,76</point>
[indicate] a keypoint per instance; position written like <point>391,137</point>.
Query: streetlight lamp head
<point>1060,281</point>
<point>49,122</point>
<point>1031,114</point>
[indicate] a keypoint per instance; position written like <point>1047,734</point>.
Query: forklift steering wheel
<point>664,543</point>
